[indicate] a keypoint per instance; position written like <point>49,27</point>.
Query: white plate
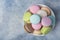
<point>52,13</point>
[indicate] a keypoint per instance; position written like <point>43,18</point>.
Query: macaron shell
<point>35,19</point>
<point>37,32</point>
<point>47,10</point>
<point>27,16</point>
<point>42,13</point>
<point>34,9</point>
<point>37,26</point>
<point>53,19</point>
<point>46,21</point>
<point>45,30</point>
<point>28,28</point>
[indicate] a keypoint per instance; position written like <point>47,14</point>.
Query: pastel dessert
<point>45,30</point>
<point>47,10</point>
<point>27,16</point>
<point>42,13</point>
<point>53,19</point>
<point>39,20</point>
<point>28,28</point>
<point>46,21</point>
<point>37,26</point>
<point>37,32</point>
<point>35,19</point>
<point>34,9</point>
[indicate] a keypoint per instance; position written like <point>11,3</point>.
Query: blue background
<point>11,23</point>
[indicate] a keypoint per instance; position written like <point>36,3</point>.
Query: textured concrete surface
<point>11,23</point>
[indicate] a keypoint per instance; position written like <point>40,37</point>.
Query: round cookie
<point>53,19</point>
<point>37,32</point>
<point>35,19</point>
<point>37,26</point>
<point>28,28</point>
<point>34,9</point>
<point>45,30</point>
<point>42,13</point>
<point>46,21</point>
<point>27,16</point>
<point>47,10</point>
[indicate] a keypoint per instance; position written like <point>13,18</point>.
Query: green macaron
<point>45,30</point>
<point>26,17</point>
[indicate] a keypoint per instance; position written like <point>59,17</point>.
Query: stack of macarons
<point>39,20</point>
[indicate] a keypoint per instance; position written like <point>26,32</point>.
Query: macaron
<point>45,30</point>
<point>28,28</point>
<point>53,19</point>
<point>42,13</point>
<point>34,9</point>
<point>37,26</point>
<point>27,16</point>
<point>47,10</point>
<point>46,21</point>
<point>35,19</point>
<point>37,32</point>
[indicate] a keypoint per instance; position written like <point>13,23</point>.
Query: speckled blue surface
<point>11,23</point>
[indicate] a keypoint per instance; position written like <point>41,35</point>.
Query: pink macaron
<point>46,21</point>
<point>36,26</point>
<point>34,9</point>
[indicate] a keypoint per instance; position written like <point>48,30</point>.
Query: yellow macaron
<point>45,29</point>
<point>27,16</point>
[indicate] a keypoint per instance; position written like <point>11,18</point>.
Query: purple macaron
<point>46,21</point>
